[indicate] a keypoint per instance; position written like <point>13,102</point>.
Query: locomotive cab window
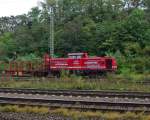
<point>75,56</point>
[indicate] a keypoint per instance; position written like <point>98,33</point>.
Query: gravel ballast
<point>28,116</point>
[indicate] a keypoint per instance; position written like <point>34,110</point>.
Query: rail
<point>91,93</point>
<point>77,99</point>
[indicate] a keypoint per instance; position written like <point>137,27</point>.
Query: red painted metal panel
<point>85,63</point>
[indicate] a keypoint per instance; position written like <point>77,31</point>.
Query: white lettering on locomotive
<point>91,62</point>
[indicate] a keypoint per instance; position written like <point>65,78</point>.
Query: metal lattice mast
<point>51,6</point>
<point>51,31</point>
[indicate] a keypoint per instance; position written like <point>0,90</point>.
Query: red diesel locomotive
<point>76,63</point>
<point>80,63</point>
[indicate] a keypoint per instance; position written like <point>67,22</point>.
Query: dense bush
<point>99,27</point>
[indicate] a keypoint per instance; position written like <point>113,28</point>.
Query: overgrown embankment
<point>111,82</point>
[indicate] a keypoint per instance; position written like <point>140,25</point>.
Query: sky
<point>16,7</point>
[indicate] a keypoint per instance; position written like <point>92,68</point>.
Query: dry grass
<point>100,115</point>
<point>77,83</point>
<point>109,82</point>
<point>76,115</point>
<point>28,109</point>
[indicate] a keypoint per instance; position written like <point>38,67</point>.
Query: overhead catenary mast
<point>51,44</point>
<point>50,9</point>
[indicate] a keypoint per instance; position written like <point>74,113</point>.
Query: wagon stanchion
<point>4,74</point>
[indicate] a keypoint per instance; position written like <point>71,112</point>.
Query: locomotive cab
<point>77,55</point>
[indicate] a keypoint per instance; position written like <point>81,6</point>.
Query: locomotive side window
<point>79,56</point>
<point>75,56</point>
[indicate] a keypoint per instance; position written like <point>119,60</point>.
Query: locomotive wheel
<point>55,74</point>
<point>40,74</point>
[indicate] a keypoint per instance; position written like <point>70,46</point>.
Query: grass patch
<point>79,84</point>
<point>100,115</point>
<point>25,109</point>
<point>76,115</point>
<point>129,77</point>
<point>110,82</point>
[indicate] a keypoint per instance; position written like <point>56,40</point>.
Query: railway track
<point>85,93</point>
<point>78,104</point>
<point>76,99</point>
